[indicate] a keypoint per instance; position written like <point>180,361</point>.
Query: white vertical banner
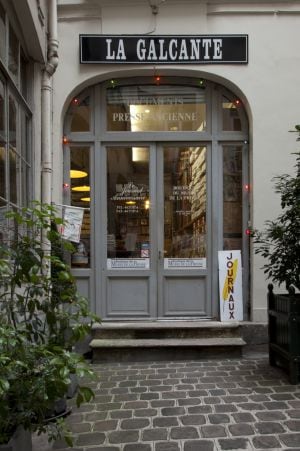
<point>73,217</point>
<point>230,285</point>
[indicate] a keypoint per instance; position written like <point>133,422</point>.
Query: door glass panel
<point>148,108</point>
<point>2,174</point>
<point>81,197</point>
<point>128,234</point>
<point>232,198</point>
<point>231,116</point>
<point>185,207</point>
<point>2,34</point>
<point>81,113</point>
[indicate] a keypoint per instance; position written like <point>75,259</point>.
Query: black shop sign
<point>140,49</point>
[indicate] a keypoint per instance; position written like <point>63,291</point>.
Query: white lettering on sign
<point>118,54</point>
<point>163,50</point>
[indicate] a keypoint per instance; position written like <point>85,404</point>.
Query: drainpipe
<point>46,104</point>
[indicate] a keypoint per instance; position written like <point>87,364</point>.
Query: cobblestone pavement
<point>240,404</point>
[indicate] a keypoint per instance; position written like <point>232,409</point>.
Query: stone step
<point>165,329</point>
<point>161,349</point>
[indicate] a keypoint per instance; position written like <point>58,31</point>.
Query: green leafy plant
<point>42,317</point>
<point>279,243</point>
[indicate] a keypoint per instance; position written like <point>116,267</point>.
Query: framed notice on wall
<point>230,285</point>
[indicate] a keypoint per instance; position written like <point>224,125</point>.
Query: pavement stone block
<point>149,396</point>
<point>252,406</point>
<point>218,418</point>
<point>212,400</point>
<point>153,435</point>
<point>189,420</point>
<point>107,425</point>
<point>119,414</point>
<point>91,438</point>
<point>167,446</point>
<point>165,422</point>
<point>171,411</point>
<point>267,415</point>
<point>294,413</point>
<point>241,429</point>
<point>291,440</point>
<point>266,442</point>
<point>233,443</point>
<point>137,447</point>
<point>225,408</point>
<point>213,431</point>
<point>197,393</point>
<point>136,405</point>
<point>199,409</point>
<point>269,428</point>
<point>276,405</point>
<point>134,423</point>
<point>145,413</point>
<point>243,417</point>
<point>123,436</point>
<point>126,397</point>
<point>293,425</point>
<point>198,445</point>
<point>282,396</point>
<point>180,433</point>
<point>189,402</point>
<point>162,403</point>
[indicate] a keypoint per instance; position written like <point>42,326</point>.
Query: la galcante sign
<point>145,49</point>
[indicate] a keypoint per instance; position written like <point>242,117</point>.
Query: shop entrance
<point>157,241</point>
<point>161,171</point>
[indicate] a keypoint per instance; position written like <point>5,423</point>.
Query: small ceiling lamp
<point>130,202</point>
<point>83,188</point>
<point>85,199</point>
<point>76,174</point>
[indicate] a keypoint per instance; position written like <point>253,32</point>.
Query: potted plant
<point>41,308</point>
<point>279,244</point>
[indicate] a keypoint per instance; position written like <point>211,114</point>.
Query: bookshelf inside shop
<point>185,209</point>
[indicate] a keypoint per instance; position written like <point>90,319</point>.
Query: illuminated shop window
<point>147,108</point>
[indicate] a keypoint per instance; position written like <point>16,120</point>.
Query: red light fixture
<point>247,187</point>
<point>157,79</point>
<point>65,140</point>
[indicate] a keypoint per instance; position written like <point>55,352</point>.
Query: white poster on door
<point>73,217</point>
<point>230,285</point>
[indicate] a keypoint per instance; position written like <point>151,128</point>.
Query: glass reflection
<point>232,198</point>
<point>156,108</point>
<point>80,111</point>
<point>80,161</point>
<point>185,202</point>
<point>128,203</point>
<point>231,115</point>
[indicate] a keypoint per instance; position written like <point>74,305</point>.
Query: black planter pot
<point>20,441</point>
<point>284,331</point>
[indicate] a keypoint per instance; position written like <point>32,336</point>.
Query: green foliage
<point>279,243</point>
<point>42,316</point>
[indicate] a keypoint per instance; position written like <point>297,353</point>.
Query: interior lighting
<point>247,187</point>
<point>65,140</point>
<point>237,102</point>
<point>83,188</point>
<point>130,202</point>
<point>85,199</point>
<point>75,101</point>
<point>157,79</point>
<point>147,204</point>
<point>76,174</point>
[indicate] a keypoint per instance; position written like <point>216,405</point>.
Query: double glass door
<point>157,244</point>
